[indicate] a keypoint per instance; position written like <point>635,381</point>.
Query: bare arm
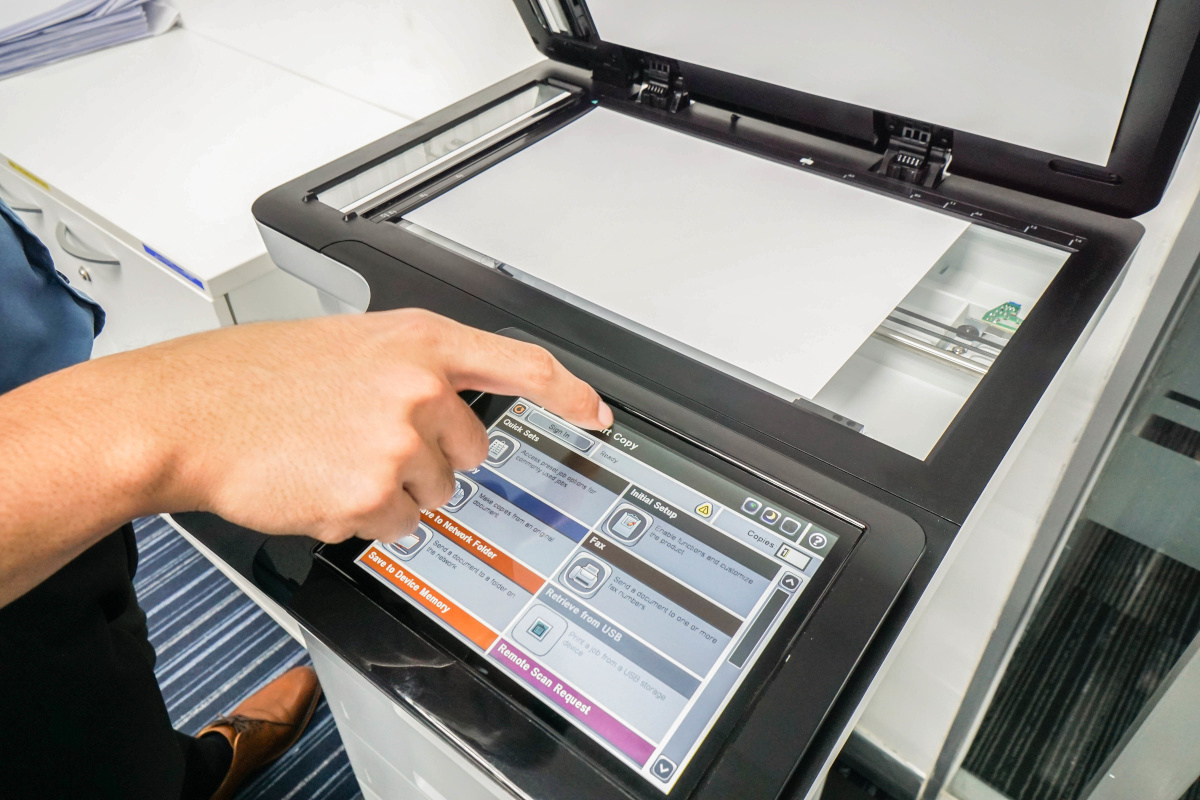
<point>336,427</point>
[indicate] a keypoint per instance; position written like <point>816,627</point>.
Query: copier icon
<point>464,488</point>
<point>585,575</point>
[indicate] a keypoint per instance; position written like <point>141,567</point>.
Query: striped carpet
<point>215,647</point>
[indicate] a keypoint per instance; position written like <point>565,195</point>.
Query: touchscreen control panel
<point>624,585</point>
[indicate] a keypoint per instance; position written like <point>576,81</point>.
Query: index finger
<point>487,362</point>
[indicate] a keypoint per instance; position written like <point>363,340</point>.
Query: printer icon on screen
<point>585,575</point>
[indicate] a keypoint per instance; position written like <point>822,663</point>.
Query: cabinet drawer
<point>376,777</point>
<point>18,196</point>
<point>143,302</point>
<point>396,738</point>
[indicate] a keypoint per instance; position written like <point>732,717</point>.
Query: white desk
<point>164,144</point>
<point>411,57</point>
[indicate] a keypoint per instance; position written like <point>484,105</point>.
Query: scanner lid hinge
<point>660,85</point>
<point>917,152</point>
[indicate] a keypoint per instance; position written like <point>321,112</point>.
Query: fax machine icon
<point>585,575</point>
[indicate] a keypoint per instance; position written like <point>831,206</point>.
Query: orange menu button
<point>378,561</point>
<point>485,551</point>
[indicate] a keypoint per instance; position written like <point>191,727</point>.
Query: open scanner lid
<point>1072,100</point>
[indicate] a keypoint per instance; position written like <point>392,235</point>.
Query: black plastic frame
<point>1159,113</point>
<point>947,483</point>
<point>778,711</point>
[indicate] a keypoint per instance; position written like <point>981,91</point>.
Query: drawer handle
<point>79,250</point>
<point>18,205</point>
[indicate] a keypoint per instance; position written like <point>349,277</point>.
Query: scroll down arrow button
<point>664,768</point>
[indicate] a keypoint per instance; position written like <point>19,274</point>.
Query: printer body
<point>842,313</point>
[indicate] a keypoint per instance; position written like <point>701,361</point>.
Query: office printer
<point>824,260</point>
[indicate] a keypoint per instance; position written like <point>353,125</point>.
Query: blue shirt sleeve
<point>45,324</point>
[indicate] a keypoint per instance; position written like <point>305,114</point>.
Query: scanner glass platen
<point>469,137</point>
<point>870,310</point>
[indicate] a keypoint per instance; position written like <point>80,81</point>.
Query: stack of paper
<point>37,32</point>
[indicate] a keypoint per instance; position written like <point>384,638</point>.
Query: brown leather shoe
<point>266,724</point>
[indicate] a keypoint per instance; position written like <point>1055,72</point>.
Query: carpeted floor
<point>215,646</point>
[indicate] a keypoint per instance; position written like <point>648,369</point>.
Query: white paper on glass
<point>774,270</point>
<point>1052,75</point>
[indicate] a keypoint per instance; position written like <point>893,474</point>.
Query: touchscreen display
<point>624,585</point>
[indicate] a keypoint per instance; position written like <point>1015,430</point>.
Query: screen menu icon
<point>464,488</point>
<point>627,524</point>
<point>409,544</point>
<point>500,449</point>
<point>790,528</point>
<point>585,575</point>
<point>538,630</point>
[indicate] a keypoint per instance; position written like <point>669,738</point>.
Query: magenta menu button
<point>572,701</point>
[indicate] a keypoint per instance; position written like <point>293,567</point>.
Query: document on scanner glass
<point>773,270</point>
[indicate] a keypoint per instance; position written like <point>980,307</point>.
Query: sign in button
<point>561,432</point>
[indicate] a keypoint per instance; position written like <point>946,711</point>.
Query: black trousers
<point>81,715</point>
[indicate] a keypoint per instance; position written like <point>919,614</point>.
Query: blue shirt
<point>45,324</point>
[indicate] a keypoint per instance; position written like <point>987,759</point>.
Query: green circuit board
<point>1006,316</point>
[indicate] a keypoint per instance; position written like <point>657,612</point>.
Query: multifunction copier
<point>824,260</point>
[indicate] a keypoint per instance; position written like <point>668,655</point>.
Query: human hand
<point>340,426</point>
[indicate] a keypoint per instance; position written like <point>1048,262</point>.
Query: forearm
<point>82,452</point>
<point>333,427</point>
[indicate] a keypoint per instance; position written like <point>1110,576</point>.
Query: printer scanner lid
<point>1071,100</point>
